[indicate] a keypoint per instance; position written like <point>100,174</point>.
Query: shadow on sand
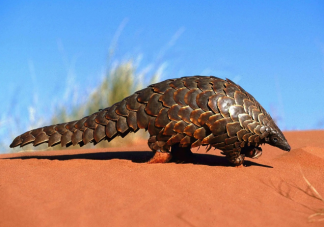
<point>140,157</point>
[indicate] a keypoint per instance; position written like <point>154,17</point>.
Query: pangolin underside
<point>179,114</point>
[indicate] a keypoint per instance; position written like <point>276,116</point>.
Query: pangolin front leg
<point>253,152</point>
<point>235,158</point>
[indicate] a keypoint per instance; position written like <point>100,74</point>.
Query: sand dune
<point>113,187</point>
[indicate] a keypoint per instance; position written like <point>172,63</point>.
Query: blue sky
<point>273,49</point>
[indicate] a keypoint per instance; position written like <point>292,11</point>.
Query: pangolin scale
<point>179,114</point>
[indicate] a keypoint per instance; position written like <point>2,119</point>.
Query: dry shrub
<point>121,81</point>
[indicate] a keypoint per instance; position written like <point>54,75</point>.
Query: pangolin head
<point>277,139</point>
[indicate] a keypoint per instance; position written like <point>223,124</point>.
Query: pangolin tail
<point>80,132</point>
<point>117,120</point>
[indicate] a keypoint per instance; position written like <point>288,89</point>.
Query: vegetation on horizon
<point>121,80</point>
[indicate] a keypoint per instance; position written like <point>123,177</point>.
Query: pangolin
<point>179,114</point>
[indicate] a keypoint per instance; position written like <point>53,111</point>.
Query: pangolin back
<point>178,113</point>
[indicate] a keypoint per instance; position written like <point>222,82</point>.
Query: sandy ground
<point>113,187</point>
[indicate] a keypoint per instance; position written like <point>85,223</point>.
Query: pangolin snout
<point>286,147</point>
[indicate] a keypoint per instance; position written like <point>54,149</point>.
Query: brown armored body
<point>179,114</point>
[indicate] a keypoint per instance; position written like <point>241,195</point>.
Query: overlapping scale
<point>42,137</point>
<point>213,100</point>
<point>175,138</point>
<point>132,103</point>
<point>218,86</point>
<point>180,126</point>
<point>111,113</point>
<point>187,140</point>
<point>219,126</point>
<point>233,128</point>
<point>161,87</point>
<point>54,139</point>
<point>99,133</point>
<point>168,129</point>
<point>60,128</point>
<point>49,130</point>
<point>243,117</point>
<point>122,125</point>
<point>195,116</point>
<point>87,136</point>
<point>230,89</point>
<point>190,129</point>
<point>66,138</point>
<point>154,106</point>
<point>204,84</point>
<point>184,113</point>
<point>167,98</point>
<point>200,133</point>
<point>190,83</point>
<point>212,119</point>
<point>224,103</point>
<point>173,113</point>
<point>241,133</point>
<point>203,118</point>
<point>90,122</point>
<point>145,95</point>
<point>111,130</point>
<point>202,99</point>
<point>152,129</point>
<point>121,109</point>
<point>132,120</point>
<point>142,118</point>
<point>179,95</point>
<point>162,119</point>
<point>246,104</point>
<point>69,126</point>
<point>101,118</point>
<point>239,97</point>
<point>235,110</point>
<point>177,84</point>
<point>76,137</point>
<point>190,98</point>
<point>35,132</point>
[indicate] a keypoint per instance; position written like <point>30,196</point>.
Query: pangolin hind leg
<point>160,157</point>
<point>163,154</point>
<point>181,154</point>
<point>161,151</point>
<point>177,154</point>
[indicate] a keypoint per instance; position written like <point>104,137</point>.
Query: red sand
<point>111,187</point>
